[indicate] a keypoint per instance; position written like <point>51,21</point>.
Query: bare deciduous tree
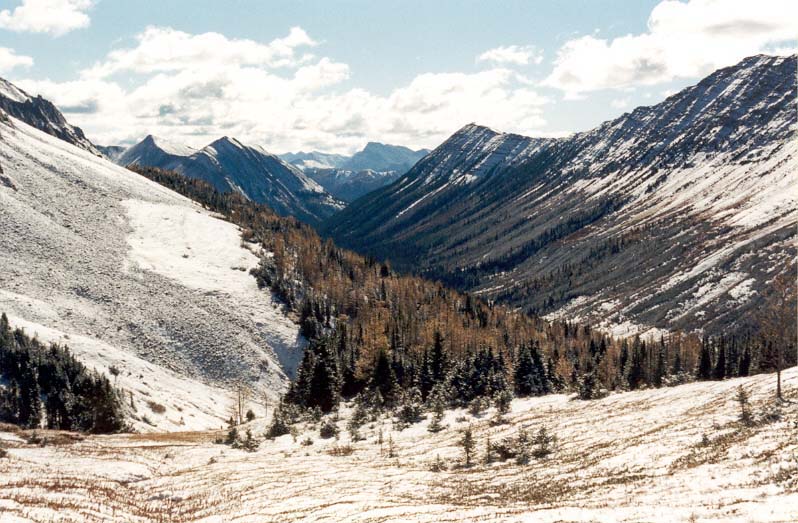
<point>780,318</point>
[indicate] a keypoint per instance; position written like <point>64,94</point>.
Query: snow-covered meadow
<point>670,454</point>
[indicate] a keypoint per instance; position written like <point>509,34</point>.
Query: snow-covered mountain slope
<point>230,165</point>
<point>155,152</point>
<point>314,160</point>
<point>41,114</point>
<point>673,454</point>
<point>383,157</point>
<point>349,178</point>
<point>348,186</point>
<point>130,274</point>
<point>672,216</point>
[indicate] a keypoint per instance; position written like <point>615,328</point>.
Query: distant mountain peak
<point>583,225</point>
<point>230,165</point>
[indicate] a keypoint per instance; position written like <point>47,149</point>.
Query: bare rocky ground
<point>671,454</point>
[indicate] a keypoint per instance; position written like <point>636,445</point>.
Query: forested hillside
<point>46,386</point>
<point>671,216</point>
<point>373,328</point>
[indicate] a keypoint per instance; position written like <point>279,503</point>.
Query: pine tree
<point>468,444</point>
<point>720,366</point>
<point>660,368</point>
<point>438,361</point>
<point>704,371</point>
<point>530,373</point>
<point>383,379</point>
<point>744,367</point>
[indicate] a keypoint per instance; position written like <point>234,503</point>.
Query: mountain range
<point>350,177</point>
<point>229,165</point>
<point>672,216</point>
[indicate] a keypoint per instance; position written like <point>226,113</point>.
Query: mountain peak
<point>43,115</point>
<point>717,156</point>
<point>167,146</point>
<point>227,141</point>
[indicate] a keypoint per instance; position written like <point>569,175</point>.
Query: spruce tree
<point>526,377</point>
<point>635,375</point>
<point>468,444</point>
<point>324,387</point>
<point>383,379</point>
<point>660,369</point>
<point>744,367</point>
<point>438,363</point>
<point>720,366</point>
<point>704,371</point>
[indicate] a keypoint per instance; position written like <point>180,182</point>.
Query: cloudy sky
<point>333,75</point>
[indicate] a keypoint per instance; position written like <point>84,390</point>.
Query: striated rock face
<point>674,215</point>
<point>41,114</point>
<point>230,165</point>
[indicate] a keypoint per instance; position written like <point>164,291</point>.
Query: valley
<point>670,217</point>
<point>580,307</point>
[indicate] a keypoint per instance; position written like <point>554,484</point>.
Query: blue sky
<point>332,75</point>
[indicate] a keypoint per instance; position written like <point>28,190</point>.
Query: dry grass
<point>596,467</point>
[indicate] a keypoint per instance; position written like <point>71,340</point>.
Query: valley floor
<point>672,454</point>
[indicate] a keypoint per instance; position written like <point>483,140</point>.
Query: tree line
<point>400,336</point>
<point>47,386</point>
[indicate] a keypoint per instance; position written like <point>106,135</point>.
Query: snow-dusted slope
<point>674,215</point>
<point>154,151</point>
<point>42,114</point>
<point>665,455</point>
<point>348,186</point>
<point>383,157</point>
<point>314,160</point>
<point>130,274</point>
<point>232,166</point>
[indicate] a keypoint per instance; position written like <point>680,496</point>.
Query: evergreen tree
<point>636,373</point>
<point>744,367</point>
<point>468,444</point>
<point>720,366</point>
<point>49,380</point>
<point>530,374</point>
<point>660,368</point>
<point>677,363</point>
<point>383,379</point>
<point>438,362</point>
<point>324,387</point>
<point>704,371</point>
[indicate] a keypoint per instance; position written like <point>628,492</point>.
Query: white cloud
<point>9,60</point>
<point>195,88</point>
<point>56,17</point>
<point>161,49</point>
<point>512,54</point>
<point>620,103</point>
<point>684,40</point>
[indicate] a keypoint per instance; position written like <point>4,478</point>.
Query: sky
<point>333,75</point>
